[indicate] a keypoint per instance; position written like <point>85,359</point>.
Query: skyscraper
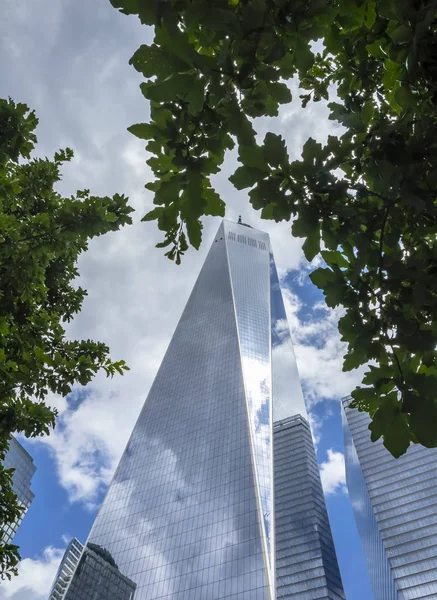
<point>69,562</point>
<point>19,459</point>
<point>306,563</point>
<point>190,513</point>
<point>97,576</point>
<point>395,506</point>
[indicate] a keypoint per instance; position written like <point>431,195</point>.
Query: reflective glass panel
<point>18,458</point>
<point>396,499</point>
<point>249,269</point>
<point>181,517</point>
<point>306,563</point>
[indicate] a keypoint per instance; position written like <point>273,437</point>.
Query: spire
<point>240,222</point>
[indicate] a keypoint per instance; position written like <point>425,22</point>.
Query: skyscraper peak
<point>196,509</point>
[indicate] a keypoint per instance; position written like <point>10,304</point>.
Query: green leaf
<point>252,156</point>
<point>305,224</point>
<point>280,92</point>
<point>144,131</point>
<point>399,33</point>
<point>423,420</point>
<point>275,150</point>
<point>152,61</point>
<point>311,246</point>
<point>196,96</point>
<point>175,86</point>
<point>303,57</point>
<point>253,14</point>
<point>128,7</point>
<point>377,376</point>
<point>354,359</point>
<point>169,190</point>
<point>375,50</point>
<point>397,435</point>
<point>312,151</point>
<point>370,14</point>
<point>405,97</point>
<point>384,416</point>
<point>334,257</point>
<point>245,177</point>
<point>153,214</point>
<point>215,206</point>
<point>364,396</point>
<point>367,112</point>
<point>320,277</point>
<point>194,231</point>
<point>39,353</point>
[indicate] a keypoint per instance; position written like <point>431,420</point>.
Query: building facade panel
<point>306,563</point>
<point>68,565</point>
<point>19,459</point>
<point>97,577</point>
<point>249,268</point>
<point>398,504</point>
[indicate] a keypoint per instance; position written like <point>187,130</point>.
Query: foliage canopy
<point>41,237</point>
<point>365,201</point>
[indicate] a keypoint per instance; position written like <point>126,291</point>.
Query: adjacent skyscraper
<point>97,576</point>
<point>190,513</point>
<point>69,562</point>
<point>395,506</point>
<point>306,563</point>
<point>17,458</point>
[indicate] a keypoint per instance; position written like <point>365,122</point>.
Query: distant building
<point>395,506</point>
<point>98,577</point>
<point>17,458</point>
<point>306,562</point>
<point>66,569</point>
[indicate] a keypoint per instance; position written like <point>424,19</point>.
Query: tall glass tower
<point>19,459</point>
<point>190,513</point>
<point>395,506</point>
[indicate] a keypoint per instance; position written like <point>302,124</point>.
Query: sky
<point>68,60</point>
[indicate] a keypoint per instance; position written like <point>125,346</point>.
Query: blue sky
<point>69,61</point>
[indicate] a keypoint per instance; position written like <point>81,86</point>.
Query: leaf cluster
<point>365,200</point>
<point>42,235</point>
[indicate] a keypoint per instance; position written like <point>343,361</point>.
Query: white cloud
<point>332,473</point>
<point>359,505</point>
<point>316,426</point>
<point>319,351</point>
<point>35,577</point>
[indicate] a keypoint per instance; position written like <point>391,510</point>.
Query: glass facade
<point>287,391</point>
<point>97,577</point>
<point>249,266</point>
<point>69,562</point>
<point>306,563</point>
<point>189,514</point>
<point>17,458</point>
<point>395,506</point>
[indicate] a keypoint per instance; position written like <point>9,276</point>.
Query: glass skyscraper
<point>395,506</point>
<point>190,513</point>
<point>19,459</point>
<point>306,564</point>
<point>69,562</point>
